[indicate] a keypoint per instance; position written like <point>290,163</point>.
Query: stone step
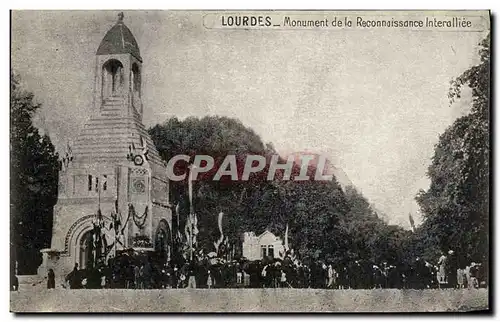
<point>110,113</point>
<point>114,98</point>
<point>112,105</point>
<point>112,108</point>
<point>114,101</point>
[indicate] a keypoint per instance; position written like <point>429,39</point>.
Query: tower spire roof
<point>119,40</point>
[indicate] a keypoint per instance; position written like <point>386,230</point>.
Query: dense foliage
<point>324,221</point>
<point>33,182</point>
<point>456,206</point>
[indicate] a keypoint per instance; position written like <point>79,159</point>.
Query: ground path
<point>248,300</point>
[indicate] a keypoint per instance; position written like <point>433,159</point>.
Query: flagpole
<point>177,213</point>
<point>412,222</point>
<point>99,192</point>
<point>190,194</point>
<point>286,238</point>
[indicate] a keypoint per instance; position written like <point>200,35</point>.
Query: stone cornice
<point>89,200</point>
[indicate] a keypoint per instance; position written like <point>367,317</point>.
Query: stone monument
<point>112,176</point>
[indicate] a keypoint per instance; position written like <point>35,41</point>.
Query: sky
<point>375,102</point>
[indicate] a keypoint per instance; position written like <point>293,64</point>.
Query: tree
<point>33,182</point>
<point>216,137</point>
<point>311,208</point>
<point>456,206</point>
<point>324,222</point>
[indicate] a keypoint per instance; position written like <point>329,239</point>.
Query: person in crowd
<point>123,271</point>
<point>343,277</point>
<point>93,277</point>
<point>378,277</point>
<point>14,281</point>
<point>130,275</point>
<point>147,271</point>
<point>140,277</point>
<point>368,278</point>
<point>421,276</point>
<point>209,280</point>
<point>473,275</point>
<point>239,275</point>
<point>190,274</point>
<point>166,280</point>
<point>283,281</point>
<point>442,264</point>
<point>175,277</point>
<point>137,276</point>
<point>301,276</point>
<point>51,279</point>
<point>330,276</point>
<point>466,276</point>
<point>276,275</point>
<point>104,281</point>
<point>393,277</point>
<point>460,278</point>
<point>74,278</point>
<point>265,275</point>
<point>355,275</point>
<point>451,269</point>
<point>482,277</point>
<point>181,281</point>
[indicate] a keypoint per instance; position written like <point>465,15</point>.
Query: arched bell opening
<point>136,87</point>
<point>136,80</point>
<point>112,79</point>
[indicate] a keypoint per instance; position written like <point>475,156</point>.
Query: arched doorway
<point>163,241</point>
<point>112,78</point>
<point>85,249</point>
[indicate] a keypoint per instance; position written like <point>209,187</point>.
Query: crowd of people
<point>138,271</point>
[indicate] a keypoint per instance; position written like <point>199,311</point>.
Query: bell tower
<point>113,175</point>
<point>118,73</point>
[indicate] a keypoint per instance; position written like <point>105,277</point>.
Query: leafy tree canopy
<point>456,206</point>
<point>34,176</point>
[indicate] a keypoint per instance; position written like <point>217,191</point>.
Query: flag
<point>221,238</point>
<point>190,189</point>
<point>187,230</point>
<point>130,155</point>
<point>191,219</point>
<point>179,237</point>
<point>286,238</point>
<point>195,225</point>
<point>99,214</point>
<point>144,148</point>
<point>412,222</point>
<point>101,183</point>
<point>195,228</point>
<point>69,153</point>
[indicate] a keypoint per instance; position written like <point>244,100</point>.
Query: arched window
<point>112,78</point>
<point>136,80</point>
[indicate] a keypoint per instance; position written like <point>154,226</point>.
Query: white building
<point>258,247</point>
